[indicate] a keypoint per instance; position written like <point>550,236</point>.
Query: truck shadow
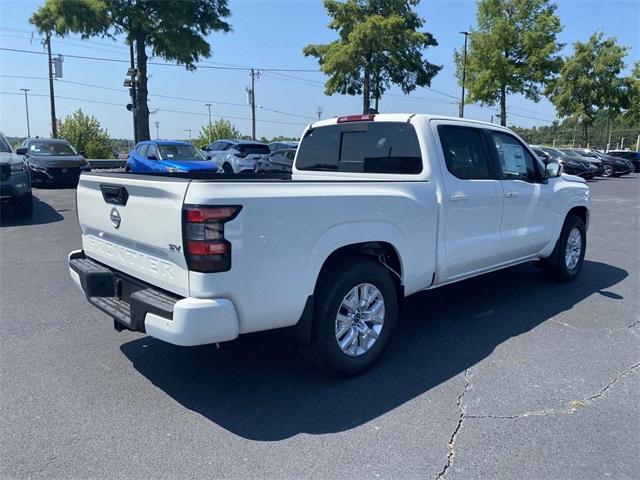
<point>259,387</point>
<point>43,213</point>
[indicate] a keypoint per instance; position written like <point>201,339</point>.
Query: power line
<point>159,108</point>
<point>171,97</point>
<point>162,64</point>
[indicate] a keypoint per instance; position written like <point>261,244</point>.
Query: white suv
<point>235,156</point>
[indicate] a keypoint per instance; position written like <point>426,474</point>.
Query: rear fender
<point>351,233</point>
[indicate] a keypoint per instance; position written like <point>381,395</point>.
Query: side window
<point>153,150</point>
<point>464,152</point>
<point>371,147</point>
<point>515,161</point>
<point>291,155</point>
<point>142,149</point>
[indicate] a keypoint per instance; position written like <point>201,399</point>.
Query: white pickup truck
<point>378,207</point>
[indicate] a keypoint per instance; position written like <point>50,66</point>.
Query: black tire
<point>608,170</point>
<point>23,205</point>
<point>336,281</point>
<point>226,168</point>
<point>555,266</point>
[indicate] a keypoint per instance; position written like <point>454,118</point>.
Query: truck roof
<point>404,117</point>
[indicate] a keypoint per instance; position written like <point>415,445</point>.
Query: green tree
<point>513,50</point>
<point>219,129</point>
<point>84,133</point>
<point>379,45</point>
<point>590,82</point>
<point>175,31</point>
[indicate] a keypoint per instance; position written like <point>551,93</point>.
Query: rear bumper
<point>141,307</point>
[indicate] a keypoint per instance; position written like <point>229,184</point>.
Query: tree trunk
<point>503,106</point>
<point>142,109</point>
<point>366,92</point>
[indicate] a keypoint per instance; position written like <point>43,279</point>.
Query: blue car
<point>168,156</point>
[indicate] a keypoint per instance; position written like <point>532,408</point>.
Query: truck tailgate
<point>135,225</point>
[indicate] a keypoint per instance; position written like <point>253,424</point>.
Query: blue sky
<point>267,34</point>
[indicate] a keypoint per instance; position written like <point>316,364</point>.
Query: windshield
<point>180,152</point>
<point>4,146</point>
<point>253,149</point>
<point>51,149</point>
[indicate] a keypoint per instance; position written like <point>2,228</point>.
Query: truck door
<point>528,212</point>
<point>472,202</point>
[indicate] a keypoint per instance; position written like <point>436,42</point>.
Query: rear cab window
<point>465,153</point>
<point>364,147</point>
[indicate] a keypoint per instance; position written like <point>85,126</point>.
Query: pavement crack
<point>575,404</point>
<point>454,435</point>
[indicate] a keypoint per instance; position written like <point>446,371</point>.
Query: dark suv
<point>15,182</point>
<point>633,157</point>
<point>53,161</point>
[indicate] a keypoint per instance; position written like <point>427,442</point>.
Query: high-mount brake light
<point>206,249</point>
<point>356,118</point>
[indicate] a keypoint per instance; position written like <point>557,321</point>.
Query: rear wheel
<point>23,205</point>
<point>608,170</point>
<point>356,309</point>
<point>567,258</point>
<point>226,168</point>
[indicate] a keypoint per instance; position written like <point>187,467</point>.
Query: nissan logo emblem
<point>114,216</point>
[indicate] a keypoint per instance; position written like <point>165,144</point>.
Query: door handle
<point>512,194</point>
<point>456,197</point>
<point>114,194</point>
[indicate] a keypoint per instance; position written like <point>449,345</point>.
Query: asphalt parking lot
<point>502,376</point>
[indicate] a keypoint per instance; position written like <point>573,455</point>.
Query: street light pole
<point>208,105</point>
<point>26,106</point>
<point>187,130</point>
<point>157,130</point>
<point>464,73</point>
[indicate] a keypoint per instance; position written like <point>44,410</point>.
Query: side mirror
<point>152,157</point>
<point>553,170</point>
<point>22,151</point>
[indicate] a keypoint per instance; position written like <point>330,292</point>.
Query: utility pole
<point>464,73</point>
<point>319,113</point>
<point>187,130</point>
<point>491,118</point>
<point>208,105</point>
<point>52,98</point>
<point>638,143</point>
<point>621,143</point>
<point>26,106</point>
<point>252,100</point>
<point>132,91</point>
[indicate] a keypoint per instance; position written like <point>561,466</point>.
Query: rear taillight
<point>205,247</point>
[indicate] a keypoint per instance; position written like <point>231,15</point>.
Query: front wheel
<point>567,258</point>
<point>608,170</point>
<point>356,309</point>
<point>226,168</point>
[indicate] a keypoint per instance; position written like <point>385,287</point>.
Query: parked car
<point>613,166</point>
<point>276,162</point>
<point>378,207</point>
<point>236,156</point>
<point>543,156</point>
<point>283,145</point>
<point>15,181</point>
<point>167,156</point>
<point>574,164</point>
<point>53,161</point>
<point>633,157</point>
